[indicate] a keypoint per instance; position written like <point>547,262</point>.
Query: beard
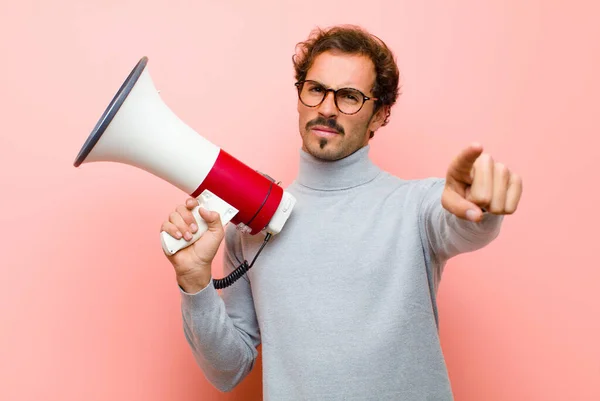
<point>331,149</point>
<point>328,149</point>
<point>327,122</point>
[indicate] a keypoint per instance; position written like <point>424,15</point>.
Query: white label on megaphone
<point>209,201</point>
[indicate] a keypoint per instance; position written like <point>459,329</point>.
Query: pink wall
<point>90,309</point>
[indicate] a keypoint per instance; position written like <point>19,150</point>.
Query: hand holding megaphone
<point>193,262</point>
<point>172,242</point>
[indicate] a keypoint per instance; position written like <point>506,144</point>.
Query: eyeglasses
<point>347,100</point>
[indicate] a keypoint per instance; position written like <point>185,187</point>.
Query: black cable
<point>261,206</point>
<point>240,270</point>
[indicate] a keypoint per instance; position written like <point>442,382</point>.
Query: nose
<point>327,108</point>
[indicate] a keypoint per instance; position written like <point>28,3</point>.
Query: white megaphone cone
<point>139,129</point>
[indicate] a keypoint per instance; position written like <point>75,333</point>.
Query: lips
<point>324,131</point>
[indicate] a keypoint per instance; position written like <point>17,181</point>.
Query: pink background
<point>89,305</point>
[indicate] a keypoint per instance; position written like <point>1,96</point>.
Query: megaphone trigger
<point>209,201</point>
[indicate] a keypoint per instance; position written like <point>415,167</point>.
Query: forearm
<point>224,353</point>
<point>449,235</point>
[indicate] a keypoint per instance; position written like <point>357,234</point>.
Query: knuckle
<point>501,168</point>
<point>169,228</point>
<point>496,209</point>
<point>217,234</point>
<point>485,158</point>
<point>517,180</point>
<point>480,198</point>
<point>218,228</point>
<point>187,216</point>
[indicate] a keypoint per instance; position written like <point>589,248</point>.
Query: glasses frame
<point>300,84</point>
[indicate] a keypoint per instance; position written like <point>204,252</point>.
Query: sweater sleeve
<point>449,235</point>
<point>222,331</point>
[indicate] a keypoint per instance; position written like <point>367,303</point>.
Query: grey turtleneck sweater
<point>343,300</point>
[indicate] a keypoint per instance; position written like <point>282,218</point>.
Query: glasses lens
<point>349,100</point>
<point>312,93</point>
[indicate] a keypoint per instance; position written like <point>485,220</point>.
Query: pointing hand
<point>476,183</point>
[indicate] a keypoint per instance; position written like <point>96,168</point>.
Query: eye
<point>350,96</point>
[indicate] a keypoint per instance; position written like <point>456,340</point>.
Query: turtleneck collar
<point>351,171</point>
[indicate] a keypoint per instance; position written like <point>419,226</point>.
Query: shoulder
<point>421,186</point>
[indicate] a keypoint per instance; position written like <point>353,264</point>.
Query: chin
<point>325,150</point>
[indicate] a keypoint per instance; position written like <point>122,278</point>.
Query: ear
<point>378,119</point>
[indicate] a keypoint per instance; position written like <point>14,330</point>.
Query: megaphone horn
<point>138,129</point>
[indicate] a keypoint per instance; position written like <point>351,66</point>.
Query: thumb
<point>212,219</point>
<point>459,206</point>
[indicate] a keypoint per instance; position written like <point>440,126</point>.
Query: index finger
<point>191,203</point>
<point>463,163</point>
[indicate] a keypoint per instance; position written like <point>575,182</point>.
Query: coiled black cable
<point>241,269</point>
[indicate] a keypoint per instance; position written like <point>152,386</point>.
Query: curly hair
<point>352,39</point>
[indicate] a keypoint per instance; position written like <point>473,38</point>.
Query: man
<point>343,300</point>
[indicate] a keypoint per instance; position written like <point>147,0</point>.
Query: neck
<point>351,171</point>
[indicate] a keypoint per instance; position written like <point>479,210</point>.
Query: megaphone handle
<point>209,201</point>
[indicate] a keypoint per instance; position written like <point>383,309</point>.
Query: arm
<point>222,331</point>
<point>447,234</point>
<point>452,210</point>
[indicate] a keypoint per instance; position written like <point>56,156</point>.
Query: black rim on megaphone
<point>107,116</point>
<point>111,110</point>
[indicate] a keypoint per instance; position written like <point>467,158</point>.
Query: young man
<point>343,300</point>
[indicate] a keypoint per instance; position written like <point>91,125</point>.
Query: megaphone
<point>139,129</point>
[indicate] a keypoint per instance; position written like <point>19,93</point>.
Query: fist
<point>475,183</point>
<point>193,263</point>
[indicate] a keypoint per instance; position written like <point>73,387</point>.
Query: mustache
<point>327,122</point>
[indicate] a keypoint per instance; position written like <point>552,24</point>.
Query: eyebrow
<point>345,86</point>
